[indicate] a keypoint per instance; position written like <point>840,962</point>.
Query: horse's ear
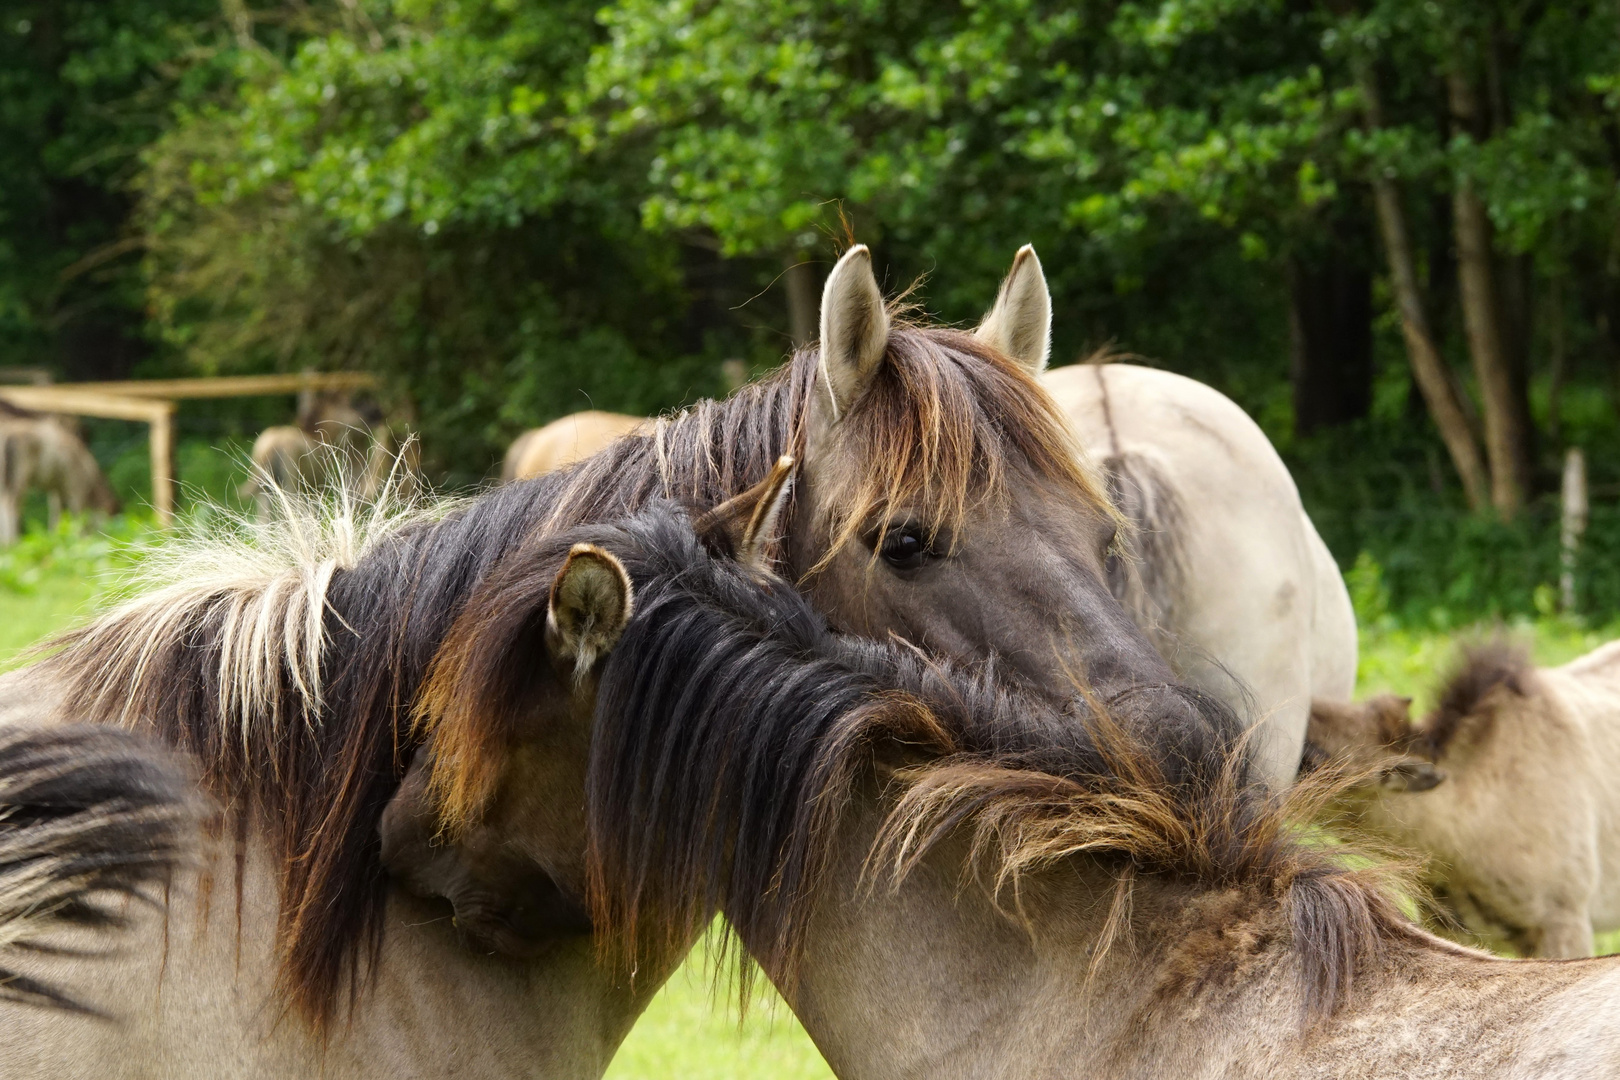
<point>749,521</point>
<point>854,329</point>
<point>590,606</point>
<point>1020,323</point>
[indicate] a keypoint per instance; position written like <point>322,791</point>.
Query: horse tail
<point>1146,574</point>
<point>90,814</point>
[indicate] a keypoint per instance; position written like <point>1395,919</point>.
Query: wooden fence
<point>154,401</point>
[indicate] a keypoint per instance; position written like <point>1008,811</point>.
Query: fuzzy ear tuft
<point>748,523</point>
<point>590,606</point>
<point>854,329</point>
<point>1019,325</point>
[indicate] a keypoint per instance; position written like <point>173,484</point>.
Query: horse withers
<point>1505,788</point>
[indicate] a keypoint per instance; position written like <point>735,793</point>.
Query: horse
<point>945,876</point>
<point>562,442</point>
<point>1504,787</point>
<point>1222,542</point>
<point>290,665</point>
<point>333,442</point>
<point>43,452</point>
<point>1220,563</point>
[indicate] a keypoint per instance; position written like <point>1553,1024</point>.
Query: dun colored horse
<point>562,442</point>
<point>1220,566</point>
<point>940,499</point>
<point>945,877</point>
<point>1507,787</point>
<point>43,453</point>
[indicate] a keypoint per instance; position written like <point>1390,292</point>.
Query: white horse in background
<point>1223,568</point>
<point>1229,576</point>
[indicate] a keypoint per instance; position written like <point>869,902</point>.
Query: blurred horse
<point>332,442</point>
<point>563,441</point>
<point>43,452</point>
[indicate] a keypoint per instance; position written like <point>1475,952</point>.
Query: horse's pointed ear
<point>590,606</point>
<point>854,329</point>
<point>1020,323</point>
<point>749,521</point>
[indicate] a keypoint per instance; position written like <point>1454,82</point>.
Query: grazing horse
<point>943,876</point>
<point>562,442</point>
<point>332,443</point>
<point>43,452</point>
<point>940,499</point>
<point>1506,787</point>
<point>1220,564</point>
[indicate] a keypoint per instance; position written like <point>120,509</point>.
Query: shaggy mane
<point>1482,667</point>
<point>86,814</point>
<point>734,728</point>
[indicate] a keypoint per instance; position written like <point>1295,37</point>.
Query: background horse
<point>1507,788</point>
<point>916,856</point>
<point>43,452</point>
<point>333,443</point>
<point>941,499</point>
<point>562,442</point>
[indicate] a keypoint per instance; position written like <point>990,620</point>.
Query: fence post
<point>1573,524</point>
<point>162,446</point>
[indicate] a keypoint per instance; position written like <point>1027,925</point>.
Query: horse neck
<point>934,979</point>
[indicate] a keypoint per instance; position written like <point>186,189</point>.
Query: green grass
<point>691,1030</point>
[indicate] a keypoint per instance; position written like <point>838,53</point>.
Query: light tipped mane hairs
<point>260,590</point>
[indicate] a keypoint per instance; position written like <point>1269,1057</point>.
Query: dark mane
<point>86,814</point>
<point>291,664</point>
<point>1482,667</point>
<point>733,728</point>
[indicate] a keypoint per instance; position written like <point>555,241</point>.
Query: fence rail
<point>154,401</point>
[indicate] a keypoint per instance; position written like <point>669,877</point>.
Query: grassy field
<point>691,1030</point>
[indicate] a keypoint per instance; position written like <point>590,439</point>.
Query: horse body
<point>562,442</point>
<point>1231,579</point>
<point>946,876</point>
<point>1507,789</point>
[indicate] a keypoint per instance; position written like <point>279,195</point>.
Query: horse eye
<point>905,547</point>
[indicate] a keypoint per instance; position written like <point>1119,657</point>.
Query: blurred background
<point>1389,229</point>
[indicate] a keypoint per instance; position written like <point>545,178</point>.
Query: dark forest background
<point>1389,229</point>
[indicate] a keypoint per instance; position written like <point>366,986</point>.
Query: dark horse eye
<point>905,547</point>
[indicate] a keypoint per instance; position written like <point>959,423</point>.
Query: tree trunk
<point>1505,442</point>
<point>801,298</point>
<point>1330,323</point>
<point>1428,366</point>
